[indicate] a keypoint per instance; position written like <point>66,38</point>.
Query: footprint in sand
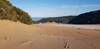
<point>66,44</point>
<point>6,38</point>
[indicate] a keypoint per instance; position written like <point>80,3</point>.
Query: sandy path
<point>46,36</point>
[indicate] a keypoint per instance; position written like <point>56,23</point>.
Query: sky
<point>55,8</point>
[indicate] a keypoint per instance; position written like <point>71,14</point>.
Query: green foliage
<point>9,12</point>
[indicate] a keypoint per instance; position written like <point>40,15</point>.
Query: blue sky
<point>54,8</point>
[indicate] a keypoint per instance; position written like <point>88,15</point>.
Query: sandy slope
<point>47,36</point>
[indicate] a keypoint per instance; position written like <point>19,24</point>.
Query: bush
<point>9,12</point>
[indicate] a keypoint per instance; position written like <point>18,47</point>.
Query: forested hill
<point>92,17</point>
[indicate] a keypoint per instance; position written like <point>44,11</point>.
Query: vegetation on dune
<point>10,12</point>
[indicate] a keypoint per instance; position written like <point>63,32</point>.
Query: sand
<point>15,35</point>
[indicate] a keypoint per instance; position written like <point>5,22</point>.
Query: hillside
<point>63,19</point>
<point>92,17</point>
<point>10,12</point>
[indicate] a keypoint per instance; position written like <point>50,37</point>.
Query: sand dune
<point>48,36</point>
